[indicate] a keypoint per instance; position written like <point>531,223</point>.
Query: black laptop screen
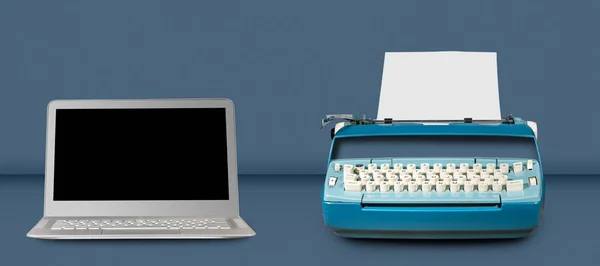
<point>140,155</point>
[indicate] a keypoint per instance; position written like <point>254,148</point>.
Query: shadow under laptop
<point>142,242</point>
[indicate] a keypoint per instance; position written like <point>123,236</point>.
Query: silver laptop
<point>118,169</point>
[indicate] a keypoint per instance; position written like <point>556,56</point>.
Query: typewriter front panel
<point>433,183</point>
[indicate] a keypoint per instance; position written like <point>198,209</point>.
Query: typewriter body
<point>433,179</point>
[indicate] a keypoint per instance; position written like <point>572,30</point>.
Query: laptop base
<point>43,230</point>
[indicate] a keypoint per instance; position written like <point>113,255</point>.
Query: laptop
<point>139,169</point>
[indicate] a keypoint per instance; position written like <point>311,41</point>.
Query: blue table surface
<point>292,232</point>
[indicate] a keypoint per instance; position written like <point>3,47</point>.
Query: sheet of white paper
<point>439,86</point>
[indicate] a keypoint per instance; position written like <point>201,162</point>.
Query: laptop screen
<point>141,155</point>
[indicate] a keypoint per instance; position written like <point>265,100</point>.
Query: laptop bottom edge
<point>139,236</point>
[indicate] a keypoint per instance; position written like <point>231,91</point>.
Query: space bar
<point>138,232</point>
<point>136,228</point>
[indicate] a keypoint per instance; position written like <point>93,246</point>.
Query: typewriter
<point>451,179</point>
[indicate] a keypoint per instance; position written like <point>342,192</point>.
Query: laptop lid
<point>168,157</point>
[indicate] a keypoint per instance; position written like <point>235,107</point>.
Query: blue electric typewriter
<point>433,179</point>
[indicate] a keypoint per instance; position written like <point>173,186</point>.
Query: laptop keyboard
<point>159,224</point>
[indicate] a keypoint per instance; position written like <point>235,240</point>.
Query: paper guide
<point>439,86</point>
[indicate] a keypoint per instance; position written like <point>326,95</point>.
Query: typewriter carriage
<point>352,120</point>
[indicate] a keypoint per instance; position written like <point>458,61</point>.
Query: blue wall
<point>287,63</point>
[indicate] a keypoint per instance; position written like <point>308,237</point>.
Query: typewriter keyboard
<point>439,177</point>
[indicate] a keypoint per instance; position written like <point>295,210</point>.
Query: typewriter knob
<point>533,126</point>
<point>337,127</point>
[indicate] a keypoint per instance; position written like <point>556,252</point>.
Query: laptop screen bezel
<point>197,208</point>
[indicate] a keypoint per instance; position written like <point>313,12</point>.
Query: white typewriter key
<point>477,167</point>
<point>376,173</point>
<point>353,186</point>
<point>332,181</point>
<point>389,173</point>
<point>370,186</point>
<point>484,174</point>
<point>533,181</point>
<point>504,168</point>
<point>450,167</point>
<point>443,173</point>
<point>426,186</point>
<point>447,180</point>
<point>372,167</point>
<point>348,169</point>
<point>378,179</point>
<point>398,166</point>
<point>337,167</point>
<point>503,179</point>
<point>424,166</point>
<point>437,167</point>
<point>482,186</point>
<point>464,167</point>
<point>384,167</point>
<point>406,179</point>
<point>412,186</point>
<point>384,186</point>
<point>411,168</point>
<point>497,187</point>
<point>433,179</point>
<point>489,181</point>
<point>475,179</point>
<point>440,186</point>
<point>392,179</point>
<point>365,179</point>
<point>420,179</point>
<point>514,185</point>
<point>431,173</point>
<point>362,173</point>
<point>498,173</point>
<point>350,177</point>
<point>457,173</point>
<point>471,173</point>
<point>398,187</point>
<point>530,165</point>
<point>461,180</point>
<point>468,186</point>
<point>454,187</point>
<point>518,167</point>
<point>490,167</point>
<point>404,172</point>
